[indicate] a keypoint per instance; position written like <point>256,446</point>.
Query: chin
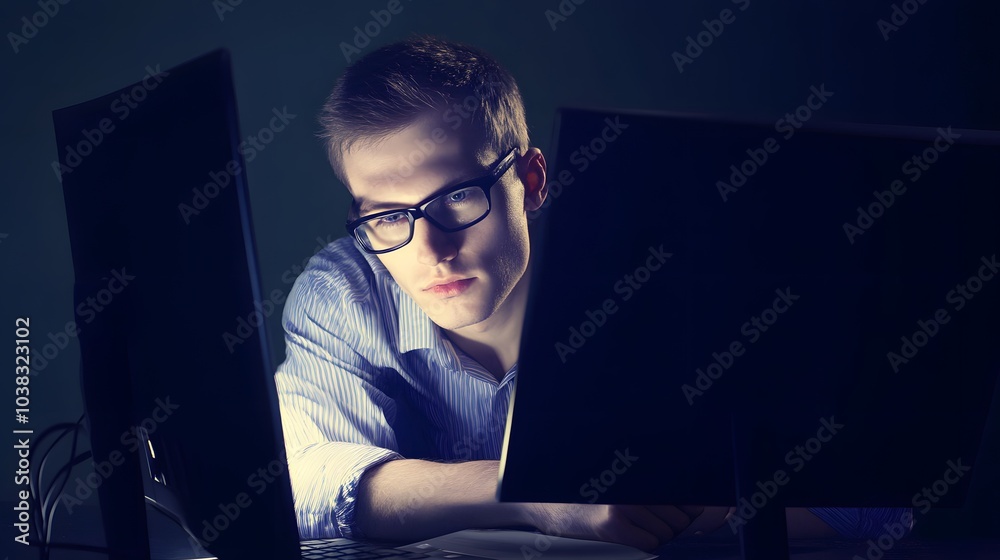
<point>451,317</point>
<point>456,320</point>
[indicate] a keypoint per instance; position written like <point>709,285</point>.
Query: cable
<point>175,518</point>
<point>49,516</point>
<point>34,479</point>
<point>36,482</point>
<point>55,480</point>
<point>73,462</point>
<point>69,469</point>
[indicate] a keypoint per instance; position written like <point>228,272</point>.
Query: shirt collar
<point>415,330</point>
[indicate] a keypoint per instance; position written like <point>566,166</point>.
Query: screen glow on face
<point>463,206</point>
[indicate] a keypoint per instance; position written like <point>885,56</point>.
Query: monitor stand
<point>765,536</point>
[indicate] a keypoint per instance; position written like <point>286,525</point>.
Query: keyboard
<point>351,550</point>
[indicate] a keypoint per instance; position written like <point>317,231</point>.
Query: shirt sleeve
<point>335,418</point>
<point>867,523</point>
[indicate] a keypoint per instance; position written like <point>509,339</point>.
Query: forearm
<point>410,499</point>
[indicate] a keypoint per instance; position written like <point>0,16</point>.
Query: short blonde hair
<point>390,88</point>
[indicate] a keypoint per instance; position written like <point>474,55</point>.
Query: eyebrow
<point>367,206</point>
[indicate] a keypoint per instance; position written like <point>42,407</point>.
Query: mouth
<point>449,287</point>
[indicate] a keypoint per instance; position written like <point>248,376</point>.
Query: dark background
<point>940,68</point>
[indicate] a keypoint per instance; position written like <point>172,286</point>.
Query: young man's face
<point>480,264</point>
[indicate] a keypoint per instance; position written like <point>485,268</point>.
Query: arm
<point>409,500</point>
<point>333,415</point>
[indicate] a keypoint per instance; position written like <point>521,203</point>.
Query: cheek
<point>495,243</point>
<point>505,250</point>
<point>510,223</point>
<point>400,269</point>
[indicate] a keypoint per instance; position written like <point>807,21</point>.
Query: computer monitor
<point>177,375</point>
<point>814,305</point>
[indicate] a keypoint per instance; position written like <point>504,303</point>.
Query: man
<point>402,339</point>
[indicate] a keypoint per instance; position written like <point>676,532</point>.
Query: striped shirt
<point>369,378</point>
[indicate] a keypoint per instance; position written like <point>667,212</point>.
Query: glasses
<point>458,208</point>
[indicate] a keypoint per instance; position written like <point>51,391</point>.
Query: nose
<point>433,245</point>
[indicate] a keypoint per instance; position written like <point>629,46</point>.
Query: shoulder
<point>340,270</point>
<point>341,288</point>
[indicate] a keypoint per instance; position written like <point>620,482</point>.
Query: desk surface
<point>906,549</point>
<point>84,527</point>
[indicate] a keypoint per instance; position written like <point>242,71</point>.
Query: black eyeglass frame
<point>416,212</point>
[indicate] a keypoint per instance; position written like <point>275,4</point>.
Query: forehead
<point>408,165</point>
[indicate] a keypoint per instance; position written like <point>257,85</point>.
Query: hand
<point>643,527</point>
<point>711,520</point>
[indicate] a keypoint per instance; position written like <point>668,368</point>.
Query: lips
<point>449,287</point>
<point>444,281</point>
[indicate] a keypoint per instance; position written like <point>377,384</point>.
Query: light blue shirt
<point>369,378</point>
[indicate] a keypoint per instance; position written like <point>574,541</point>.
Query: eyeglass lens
<point>450,211</point>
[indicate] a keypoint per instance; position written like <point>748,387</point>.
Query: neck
<point>495,342</point>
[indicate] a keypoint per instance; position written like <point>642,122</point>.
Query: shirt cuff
<point>325,479</point>
<point>344,513</point>
<point>866,523</point>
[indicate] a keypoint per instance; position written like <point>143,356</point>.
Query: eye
<point>390,220</point>
<point>458,196</point>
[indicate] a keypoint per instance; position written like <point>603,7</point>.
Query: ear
<point>531,170</point>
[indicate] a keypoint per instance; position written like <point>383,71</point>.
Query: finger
<point>709,521</point>
<point>621,528</point>
<point>673,516</point>
<point>643,518</point>
<point>692,511</point>
<point>636,537</point>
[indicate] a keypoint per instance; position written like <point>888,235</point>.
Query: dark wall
<point>939,68</point>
